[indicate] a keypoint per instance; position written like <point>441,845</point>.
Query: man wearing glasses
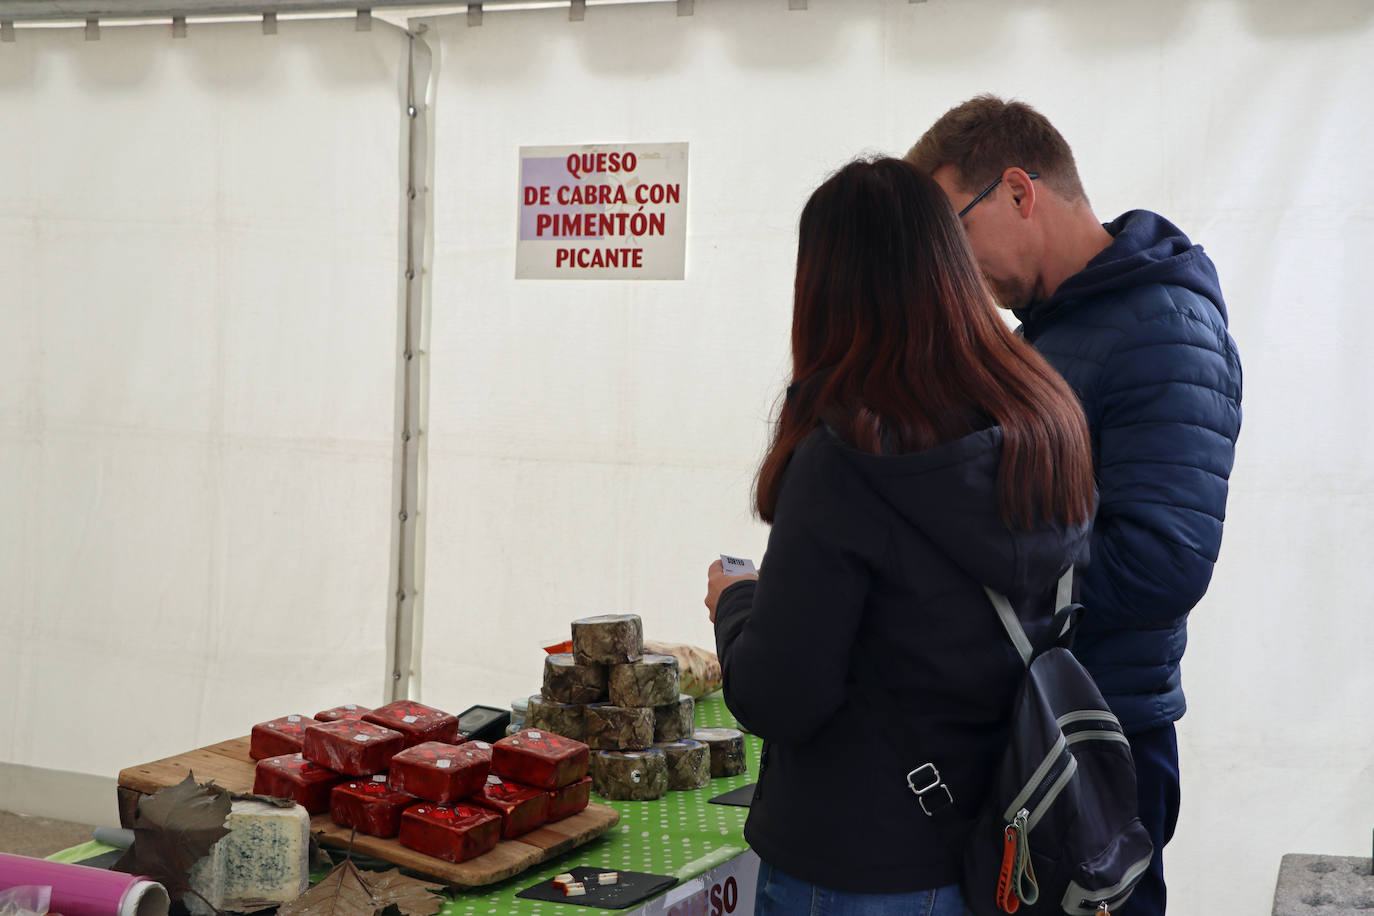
<point>1131,313</point>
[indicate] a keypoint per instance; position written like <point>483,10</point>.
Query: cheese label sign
<point>602,212</point>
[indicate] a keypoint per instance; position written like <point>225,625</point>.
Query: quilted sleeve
<point>1168,417</point>
<point>785,643</point>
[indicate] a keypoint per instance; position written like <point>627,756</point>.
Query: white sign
<point>728,888</point>
<point>605,212</point>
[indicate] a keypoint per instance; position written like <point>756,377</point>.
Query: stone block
<point>1324,886</point>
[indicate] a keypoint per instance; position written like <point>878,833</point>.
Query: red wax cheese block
<point>540,758</point>
<point>346,711</point>
<point>351,746</point>
<point>369,805</point>
<point>480,748</point>
<point>570,799</point>
<point>416,721</point>
<point>454,833</point>
<point>292,776</point>
<point>522,808</point>
<point>440,772</point>
<point>277,737</point>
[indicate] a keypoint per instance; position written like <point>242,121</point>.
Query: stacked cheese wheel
<point>627,706</point>
<point>404,771</point>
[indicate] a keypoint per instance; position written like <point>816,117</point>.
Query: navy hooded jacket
<point>1141,335</point>
<point>874,569</point>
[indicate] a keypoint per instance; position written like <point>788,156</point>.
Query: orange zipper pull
<point>1007,901</point>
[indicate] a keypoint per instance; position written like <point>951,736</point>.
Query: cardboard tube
<point>79,890</point>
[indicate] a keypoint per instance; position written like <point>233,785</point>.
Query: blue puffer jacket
<point>1140,334</point>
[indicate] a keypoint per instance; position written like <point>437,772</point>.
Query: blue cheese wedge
<point>263,862</point>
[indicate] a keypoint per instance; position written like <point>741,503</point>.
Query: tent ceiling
<point>36,10</point>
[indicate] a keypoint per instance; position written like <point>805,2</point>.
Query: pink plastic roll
<point>79,890</point>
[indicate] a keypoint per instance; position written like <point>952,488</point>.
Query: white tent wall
<point>201,249</point>
<point>592,444</point>
<point>200,241</point>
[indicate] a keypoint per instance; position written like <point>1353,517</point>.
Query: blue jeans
<point>1156,777</point>
<point>779,894</point>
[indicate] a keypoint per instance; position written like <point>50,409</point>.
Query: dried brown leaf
<point>412,896</point>
<point>174,828</point>
<point>342,892</point>
<point>347,891</point>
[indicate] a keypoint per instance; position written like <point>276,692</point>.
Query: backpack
<point>1057,831</point>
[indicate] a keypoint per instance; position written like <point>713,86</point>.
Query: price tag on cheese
<point>737,566</point>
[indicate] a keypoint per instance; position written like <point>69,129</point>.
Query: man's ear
<point>1020,190</point>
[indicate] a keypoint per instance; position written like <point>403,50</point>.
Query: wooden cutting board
<point>230,767</point>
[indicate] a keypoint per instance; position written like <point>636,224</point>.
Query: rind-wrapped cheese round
<point>727,750</point>
<point>560,718</point>
<point>675,721</point>
<point>689,763</point>
<point>650,681</point>
<point>565,681</point>
<point>610,639</point>
<point>630,775</point>
<point>610,727</point>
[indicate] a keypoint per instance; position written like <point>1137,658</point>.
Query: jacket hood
<point>1146,249</point>
<point>949,494</point>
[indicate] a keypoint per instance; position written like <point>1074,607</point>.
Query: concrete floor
<point>23,835</point>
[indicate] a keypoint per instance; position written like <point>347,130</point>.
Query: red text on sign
<point>582,163</point>
<point>584,225</point>
<point>719,900</point>
<point>599,257</point>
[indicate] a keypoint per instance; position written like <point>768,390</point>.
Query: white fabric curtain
<point>592,444</point>
<point>199,245</point>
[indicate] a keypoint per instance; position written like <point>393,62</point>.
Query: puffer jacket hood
<point>1146,249</point>
<point>949,494</point>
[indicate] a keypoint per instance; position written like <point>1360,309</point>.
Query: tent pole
<point>405,616</point>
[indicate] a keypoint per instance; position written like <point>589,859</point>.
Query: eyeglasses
<point>989,189</point>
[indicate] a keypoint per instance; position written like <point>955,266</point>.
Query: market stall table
<point>682,835</point>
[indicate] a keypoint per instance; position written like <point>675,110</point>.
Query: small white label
<point>493,780</point>
<point>634,776</point>
<point>409,719</point>
<point>737,566</point>
<point>535,735</point>
<point>350,706</point>
<point>293,718</point>
<point>362,738</point>
<point>380,777</point>
<point>444,764</point>
<point>482,744</point>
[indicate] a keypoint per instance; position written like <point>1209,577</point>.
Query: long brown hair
<point>897,344</point>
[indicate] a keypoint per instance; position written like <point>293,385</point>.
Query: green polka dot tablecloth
<point>681,834</point>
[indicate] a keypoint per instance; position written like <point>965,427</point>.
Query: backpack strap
<point>1065,616</point>
<point>925,782</point>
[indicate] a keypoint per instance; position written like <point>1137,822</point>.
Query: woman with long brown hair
<point>923,452</point>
